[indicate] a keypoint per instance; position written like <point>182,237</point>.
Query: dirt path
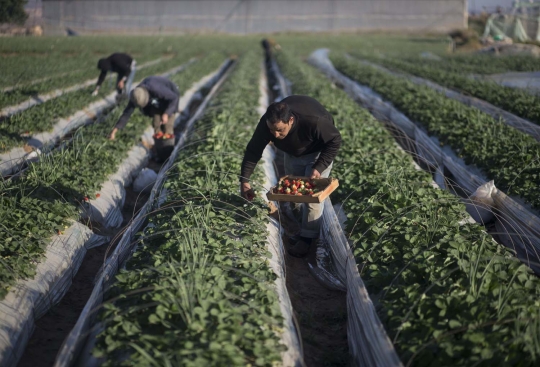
<point>321,313</point>
<point>54,327</point>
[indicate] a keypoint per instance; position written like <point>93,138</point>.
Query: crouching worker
<point>156,97</point>
<point>119,63</point>
<point>304,130</point>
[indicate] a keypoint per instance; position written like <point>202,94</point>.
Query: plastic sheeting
<point>529,81</point>
<point>107,209</point>
<point>518,227</point>
<point>368,343</point>
<point>497,113</point>
<point>500,26</point>
<point>31,299</point>
<point>71,349</point>
<point>11,161</point>
<point>11,110</point>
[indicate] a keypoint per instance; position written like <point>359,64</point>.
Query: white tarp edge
<point>497,113</point>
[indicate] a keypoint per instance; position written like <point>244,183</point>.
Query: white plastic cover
<point>481,203</point>
<point>290,338</point>
<point>145,180</point>
<point>31,299</point>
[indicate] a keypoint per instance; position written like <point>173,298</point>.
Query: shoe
<point>300,248</point>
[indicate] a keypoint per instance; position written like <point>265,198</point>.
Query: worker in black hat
<point>120,63</point>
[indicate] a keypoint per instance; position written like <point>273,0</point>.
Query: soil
<point>321,313</point>
<point>52,329</point>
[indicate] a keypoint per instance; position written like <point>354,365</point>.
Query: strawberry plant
<point>514,100</point>
<point>504,154</point>
<point>57,187</point>
<point>199,290</point>
<point>479,63</point>
<point>447,294</point>
<point>16,129</point>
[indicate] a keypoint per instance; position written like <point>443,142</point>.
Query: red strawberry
<point>98,195</point>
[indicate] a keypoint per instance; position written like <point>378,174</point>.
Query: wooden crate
<point>325,185</point>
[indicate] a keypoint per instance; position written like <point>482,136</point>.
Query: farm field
<point>195,275</point>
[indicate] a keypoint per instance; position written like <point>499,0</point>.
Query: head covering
<point>140,96</point>
<point>104,64</point>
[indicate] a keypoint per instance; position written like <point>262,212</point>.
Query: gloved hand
<point>95,93</point>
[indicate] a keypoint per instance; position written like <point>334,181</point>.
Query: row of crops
<point>203,257</point>
<point>15,130</point>
<point>53,190</point>
<point>199,289</point>
<point>518,101</point>
<point>446,292</point>
<point>503,153</point>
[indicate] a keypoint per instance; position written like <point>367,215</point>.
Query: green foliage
<point>515,100</point>
<point>447,294</point>
<point>14,131</point>
<point>51,192</point>
<point>199,291</point>
<point>504,154</point>
<point>12,11</point>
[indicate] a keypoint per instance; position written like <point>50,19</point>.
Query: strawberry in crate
<point>297,187</point>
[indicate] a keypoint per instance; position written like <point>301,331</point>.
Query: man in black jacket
<point>157,97</point>
<point>119,63</point>
<point>304,130</point>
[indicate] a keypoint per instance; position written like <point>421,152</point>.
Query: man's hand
<point>121,84</point>
<point>112,136</point>
<point>95,92</point>
<point>315,174</point>
<point>164,119</point>
<point>246,191</point>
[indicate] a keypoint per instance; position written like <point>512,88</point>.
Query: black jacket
<point>164,98</point>
<point>313,131</point>
<point>117,63</point>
